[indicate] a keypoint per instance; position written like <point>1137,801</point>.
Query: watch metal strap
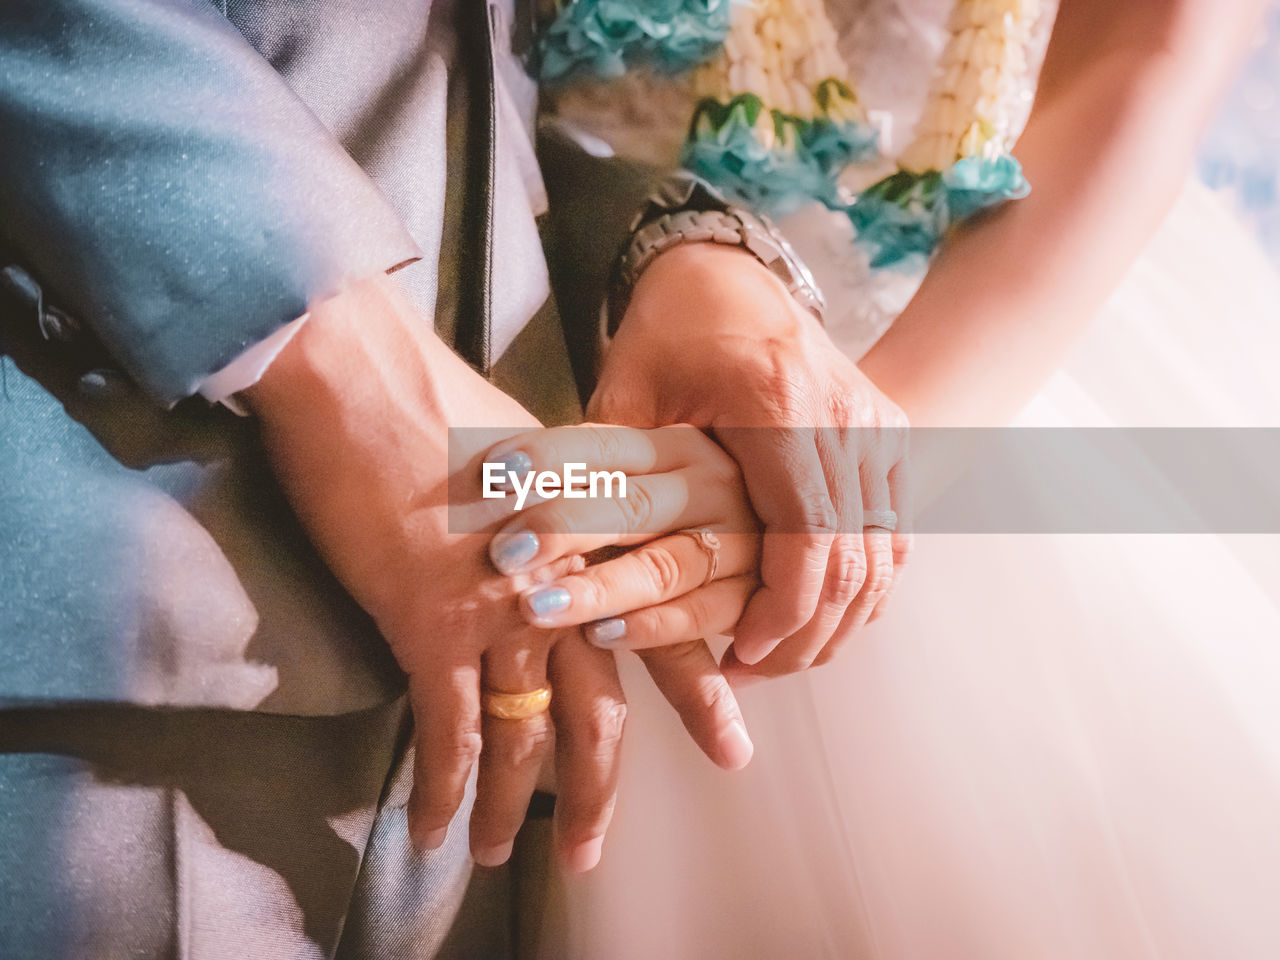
<point>732,226</point>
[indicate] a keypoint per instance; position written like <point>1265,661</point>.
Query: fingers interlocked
<point>668,593</point>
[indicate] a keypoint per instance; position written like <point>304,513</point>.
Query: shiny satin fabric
<point>174,658</point>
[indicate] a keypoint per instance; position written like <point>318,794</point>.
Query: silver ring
<point>880,520</point>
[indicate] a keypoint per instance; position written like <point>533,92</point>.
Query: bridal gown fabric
<point>1051,746</point>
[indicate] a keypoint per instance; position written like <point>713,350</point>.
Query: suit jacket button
<point>100,384</point>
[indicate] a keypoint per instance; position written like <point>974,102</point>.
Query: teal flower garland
<point>802,161</point>
<point>602,38</point>
<point>901,219</point>
<point>771,160</point>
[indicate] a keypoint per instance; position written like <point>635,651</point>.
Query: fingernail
<point>493,856</point>
<point>548,600</point>
<point>585,855</point>
<point>606,633</point>
<point>753,655</point>
<point>511,551</point>
<point>735,746</point>
<point>516,462</point>
<point>432,839</point>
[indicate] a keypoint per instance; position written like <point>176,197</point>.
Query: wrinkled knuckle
<point>662,569</point>
<point>462,749</point>
<point>603,726</point>
<point>841,406</point>
<point>878,584</point>
<point>881,577</point>
<point>593,592</point>
<point>716,695</point>
<point>530,747</point>
<point>848,575</point>
<point>676,658</point>
<point>607,443</point>
<point>790,396</point>
<point>853,413</point>
<point>636,508</point>
<point>818,516</point>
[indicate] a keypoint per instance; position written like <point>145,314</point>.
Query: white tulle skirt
<point>1052,746</point>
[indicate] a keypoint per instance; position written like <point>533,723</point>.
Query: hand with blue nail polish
<point>671,590</point>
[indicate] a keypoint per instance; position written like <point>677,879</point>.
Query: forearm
<point>1108,145</point>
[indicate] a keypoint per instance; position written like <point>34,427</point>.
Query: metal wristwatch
<point>688,210</point>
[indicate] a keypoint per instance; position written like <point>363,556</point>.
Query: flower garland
<point>959,161</point>
<point>603,37</point>
<point>774,160</point>
<point>778,121</point>
<point>781,53</point>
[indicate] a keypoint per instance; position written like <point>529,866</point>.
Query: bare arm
<point>1125,93</point>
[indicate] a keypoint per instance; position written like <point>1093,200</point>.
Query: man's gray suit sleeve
<point>162,182</point>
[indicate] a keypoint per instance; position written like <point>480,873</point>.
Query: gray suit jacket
<point>202,751</point>
<point>185,177</point>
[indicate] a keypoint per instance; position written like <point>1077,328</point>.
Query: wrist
<point>700,289</point>
<point>337,409</point>
<point>348,337</point>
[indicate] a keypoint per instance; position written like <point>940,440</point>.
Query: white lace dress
<point>1052,746</point>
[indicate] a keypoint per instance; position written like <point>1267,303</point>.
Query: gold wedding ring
<point>710,545</point>
<point>515,706</point>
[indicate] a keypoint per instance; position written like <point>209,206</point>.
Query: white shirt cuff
<point>247,369</point>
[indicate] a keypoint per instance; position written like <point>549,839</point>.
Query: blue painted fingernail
<point>606,633</point>
<point>548,600</point>
<point>511,551</point>
<point>517,463</point>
